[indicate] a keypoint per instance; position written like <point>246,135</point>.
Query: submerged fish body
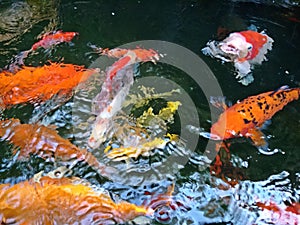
<point>245,117</point>
<point>48,40</point>
<point>63,201</point>
<point>46,143</point>
<point>244,49</point>
<point>54,38</point>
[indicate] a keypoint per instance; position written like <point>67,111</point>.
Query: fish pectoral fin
<point>219,102</point>
<point>258,138</point>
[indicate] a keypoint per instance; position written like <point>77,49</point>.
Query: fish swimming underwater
<point>119,78</point>
<point>244,49</point>
<point>48,40</point>
<point>244,118</point>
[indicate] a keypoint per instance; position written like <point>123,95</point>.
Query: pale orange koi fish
<point>70,201</point>
<point>63,201</point>
<point>46,143</point>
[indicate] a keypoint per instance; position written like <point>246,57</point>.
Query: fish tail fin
<point>18,61</point>
<point>164,199</point>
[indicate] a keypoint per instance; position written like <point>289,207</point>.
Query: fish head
<point>236,46</point>
<point>145,55</point>
<point>100,133</point>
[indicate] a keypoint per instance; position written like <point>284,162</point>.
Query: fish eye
<point>249,47</point>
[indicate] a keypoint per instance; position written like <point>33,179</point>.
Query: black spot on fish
<point>246,121</point>
<point>260,105</point>
<point>254,121</point>
<point>267,107</point>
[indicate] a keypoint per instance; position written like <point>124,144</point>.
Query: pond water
<point>200,198</point>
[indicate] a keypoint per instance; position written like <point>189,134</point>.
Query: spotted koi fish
<point>244,49</point>
<point>46,143</point>
<point>244,118</point>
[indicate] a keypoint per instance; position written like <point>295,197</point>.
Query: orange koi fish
<point>244,49</point>
<point>244,118</point>
<point>63,201</point>
<point>119,78</point>
<point>46,143</point>
<point>39,84</point>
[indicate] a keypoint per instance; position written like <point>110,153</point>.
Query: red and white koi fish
<point>119,78</point>
<point>48,40</point>
<point>280,214</point>
<point>244,49</point>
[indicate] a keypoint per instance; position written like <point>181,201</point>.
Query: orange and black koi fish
<point>45,142</point>
<point>244,118</point>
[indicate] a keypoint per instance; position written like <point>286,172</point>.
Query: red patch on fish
<point>257,40</point>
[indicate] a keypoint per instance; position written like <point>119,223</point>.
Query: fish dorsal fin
<point>219,102</point>
<point>282,88</point>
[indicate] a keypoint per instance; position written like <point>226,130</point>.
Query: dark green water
<point>190,24</point>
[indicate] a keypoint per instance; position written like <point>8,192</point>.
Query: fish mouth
<point>229,50</point>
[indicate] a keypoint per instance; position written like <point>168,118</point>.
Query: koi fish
<point>54,38</point>
<point>63,201</point>
<point>46,143</point>
<point>39,84</point>
<point>48,40</point>
<point>244,118</point>
<point>244,49</point>
<point>119,78</point>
